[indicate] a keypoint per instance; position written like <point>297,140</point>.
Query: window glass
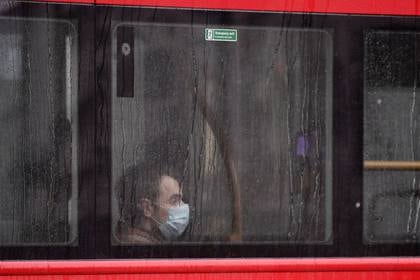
<point>235,123</point>
<point>391,138</point>
<point>38,139</point>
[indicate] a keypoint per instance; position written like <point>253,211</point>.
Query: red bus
<point>149,139</point>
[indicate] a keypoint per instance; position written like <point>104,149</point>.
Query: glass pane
<point>243,135</point>
<point>38,139</point>
<point>391,138</point>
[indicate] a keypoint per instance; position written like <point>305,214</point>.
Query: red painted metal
<point>374,7</point>
<point>393,275</point>
<point>214,266</point>
<point>290,269</point>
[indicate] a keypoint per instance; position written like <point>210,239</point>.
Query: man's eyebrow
<point>176,195</point>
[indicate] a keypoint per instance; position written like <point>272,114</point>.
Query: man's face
<point>169,195</point>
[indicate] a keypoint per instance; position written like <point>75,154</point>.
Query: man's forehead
<point>168,186</point>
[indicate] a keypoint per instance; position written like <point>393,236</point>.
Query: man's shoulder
<point>142,237</point>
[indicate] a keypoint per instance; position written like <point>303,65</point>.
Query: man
<point>161,215</point>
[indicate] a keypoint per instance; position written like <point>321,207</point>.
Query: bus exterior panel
<point>358,255</point>
<point>369,7</point>
<point>294,269</point>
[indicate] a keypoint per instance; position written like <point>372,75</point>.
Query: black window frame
<point>95,90</point>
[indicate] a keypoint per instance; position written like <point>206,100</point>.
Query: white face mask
<point>178,218</point>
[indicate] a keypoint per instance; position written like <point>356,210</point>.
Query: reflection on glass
<point>391,139</point>
<point>242,127</point>
<point>38,117</point>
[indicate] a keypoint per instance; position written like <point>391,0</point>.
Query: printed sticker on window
<point>226,35</point>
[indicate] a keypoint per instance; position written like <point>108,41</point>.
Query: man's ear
<point>146,206</point>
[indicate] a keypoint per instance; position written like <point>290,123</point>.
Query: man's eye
<point>175,201</point>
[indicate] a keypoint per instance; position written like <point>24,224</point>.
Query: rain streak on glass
<point>244,127</point>
<point>38,139</point>
<point>391,204</point>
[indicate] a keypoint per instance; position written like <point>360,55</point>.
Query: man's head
<point>151,201</point>
<point>165,211</point>
<point>167,194</point>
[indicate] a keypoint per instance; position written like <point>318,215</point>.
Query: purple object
<point>302,146</point>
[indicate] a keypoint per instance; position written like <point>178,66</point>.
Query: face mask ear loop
<point>153,218</point>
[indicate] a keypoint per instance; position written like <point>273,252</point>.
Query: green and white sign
<point>216,34</point>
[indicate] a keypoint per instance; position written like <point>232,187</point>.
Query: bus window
<point>38,140</point>
<point>235,120</point>
<point>391,138</point>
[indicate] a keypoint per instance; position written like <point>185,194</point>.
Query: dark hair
<point>162,156</point>
<point>138,182</point>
